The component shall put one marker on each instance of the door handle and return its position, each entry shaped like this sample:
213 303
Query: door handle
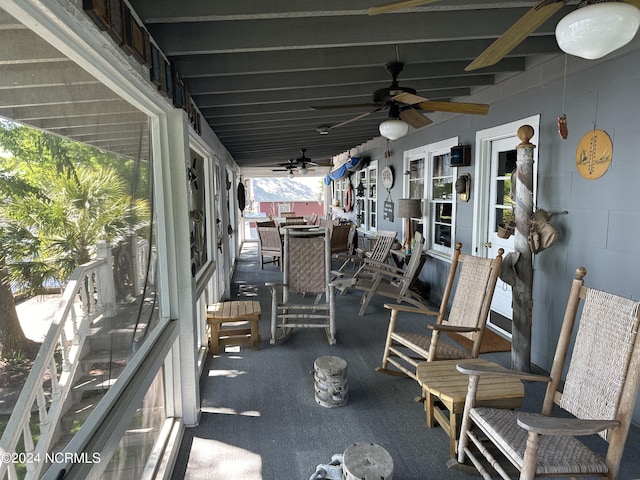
488 245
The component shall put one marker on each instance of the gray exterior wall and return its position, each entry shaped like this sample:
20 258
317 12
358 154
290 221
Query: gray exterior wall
602 227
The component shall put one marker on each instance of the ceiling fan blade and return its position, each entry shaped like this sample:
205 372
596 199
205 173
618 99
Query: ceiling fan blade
409 98
415 118
393 6
454 107
348 105
357 117
526 25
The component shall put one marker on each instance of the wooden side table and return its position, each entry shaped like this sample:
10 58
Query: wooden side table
441 381
234 323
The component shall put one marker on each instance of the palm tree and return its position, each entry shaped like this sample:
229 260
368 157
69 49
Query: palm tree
52 224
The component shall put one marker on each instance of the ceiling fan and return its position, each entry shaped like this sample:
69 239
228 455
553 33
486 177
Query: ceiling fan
542 11
402 102
298 165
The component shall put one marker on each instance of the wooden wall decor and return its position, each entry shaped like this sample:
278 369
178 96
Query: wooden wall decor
154 70
168 74
134 37
98 11
117 19
147 48
116 15
178 88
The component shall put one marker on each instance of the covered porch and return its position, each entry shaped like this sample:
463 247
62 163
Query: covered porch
260 420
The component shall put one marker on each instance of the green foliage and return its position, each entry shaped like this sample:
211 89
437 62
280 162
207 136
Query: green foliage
58 199
14 358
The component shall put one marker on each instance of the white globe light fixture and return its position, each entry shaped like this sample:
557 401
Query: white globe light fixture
303 170
291 173
597 29
393 128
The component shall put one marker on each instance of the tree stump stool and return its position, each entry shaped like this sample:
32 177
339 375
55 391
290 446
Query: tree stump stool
364 461
331 381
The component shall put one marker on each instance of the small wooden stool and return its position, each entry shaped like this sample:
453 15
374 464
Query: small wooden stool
441 381
225 321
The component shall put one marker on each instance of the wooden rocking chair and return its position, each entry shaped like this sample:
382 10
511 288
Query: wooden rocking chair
599 392
307 266
476 282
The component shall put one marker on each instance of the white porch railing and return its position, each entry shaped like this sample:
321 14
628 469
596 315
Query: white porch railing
88 295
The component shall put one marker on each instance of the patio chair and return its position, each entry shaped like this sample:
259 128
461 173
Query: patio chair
307 262
342 238
379 252
381 278
476 281
294 221
269 245
599 393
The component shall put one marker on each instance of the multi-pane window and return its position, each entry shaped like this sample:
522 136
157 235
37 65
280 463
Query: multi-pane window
360 202
431 177
441 202
340 187
371 196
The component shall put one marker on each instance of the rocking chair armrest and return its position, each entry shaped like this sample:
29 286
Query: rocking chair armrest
453 328
274 284
564 426
406 308
472 369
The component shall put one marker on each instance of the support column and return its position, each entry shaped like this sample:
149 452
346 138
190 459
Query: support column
107 294
178 292
523 288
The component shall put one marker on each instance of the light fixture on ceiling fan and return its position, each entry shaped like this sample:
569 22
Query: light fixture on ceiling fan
393 128
588 30
597 29
405 107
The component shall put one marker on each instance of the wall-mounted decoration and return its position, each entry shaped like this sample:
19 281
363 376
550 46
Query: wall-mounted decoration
178 89
134 35
98 11
117 19
594 154
542 233
461 156
463 187
116 15
169 79
197 214
387 177
126 30
155 70
388 211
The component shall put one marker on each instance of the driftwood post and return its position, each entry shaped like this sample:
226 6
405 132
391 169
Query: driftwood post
522 290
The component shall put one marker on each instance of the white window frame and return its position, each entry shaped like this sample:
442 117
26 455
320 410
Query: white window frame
371 197
428 153
360 204
340 187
